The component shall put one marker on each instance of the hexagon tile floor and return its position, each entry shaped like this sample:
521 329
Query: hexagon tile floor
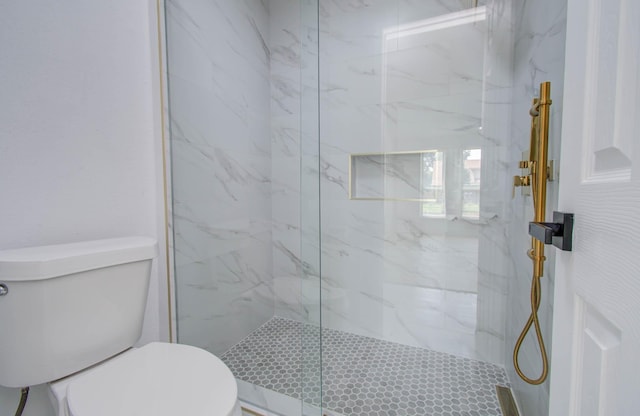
364 376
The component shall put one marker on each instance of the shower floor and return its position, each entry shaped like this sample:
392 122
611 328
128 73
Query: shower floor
362 375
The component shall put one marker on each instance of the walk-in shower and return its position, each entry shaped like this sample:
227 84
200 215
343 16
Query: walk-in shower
343 227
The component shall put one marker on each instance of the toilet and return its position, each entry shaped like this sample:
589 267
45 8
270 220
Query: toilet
71 314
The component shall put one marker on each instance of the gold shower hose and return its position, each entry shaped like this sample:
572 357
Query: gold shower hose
539 174
533 318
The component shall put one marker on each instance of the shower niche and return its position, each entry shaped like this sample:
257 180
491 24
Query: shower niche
431 177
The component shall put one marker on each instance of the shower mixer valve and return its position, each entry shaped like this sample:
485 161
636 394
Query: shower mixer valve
524 181
521 181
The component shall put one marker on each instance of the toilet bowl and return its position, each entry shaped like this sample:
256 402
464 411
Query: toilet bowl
158 379
74 313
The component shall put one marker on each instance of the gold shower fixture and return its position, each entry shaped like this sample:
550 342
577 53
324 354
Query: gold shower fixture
536 172
536 176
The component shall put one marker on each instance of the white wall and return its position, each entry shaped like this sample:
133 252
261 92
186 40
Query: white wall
80 150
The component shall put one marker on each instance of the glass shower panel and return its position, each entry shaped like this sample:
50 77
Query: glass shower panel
243 101
339 198
221 167
404 83
412 158
310 254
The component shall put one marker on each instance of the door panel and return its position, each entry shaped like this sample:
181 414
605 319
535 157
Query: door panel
597 299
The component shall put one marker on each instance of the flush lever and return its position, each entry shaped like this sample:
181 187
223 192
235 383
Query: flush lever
4 290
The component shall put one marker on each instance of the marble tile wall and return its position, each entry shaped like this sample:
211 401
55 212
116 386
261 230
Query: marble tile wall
539 30
220 94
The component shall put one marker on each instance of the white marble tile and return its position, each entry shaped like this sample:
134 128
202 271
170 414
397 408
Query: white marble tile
212 323
199 113
214 292
351 29
236 32
219 88
357 129
427 318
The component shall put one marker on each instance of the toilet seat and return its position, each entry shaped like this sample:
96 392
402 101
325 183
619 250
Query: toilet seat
158 379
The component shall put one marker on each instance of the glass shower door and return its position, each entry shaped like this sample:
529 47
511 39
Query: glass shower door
243 104
310 226
339 199
413 203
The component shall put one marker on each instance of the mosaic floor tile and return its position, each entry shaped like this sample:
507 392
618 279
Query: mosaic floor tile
364 376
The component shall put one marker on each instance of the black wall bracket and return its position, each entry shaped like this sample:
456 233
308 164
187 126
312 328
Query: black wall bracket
559 232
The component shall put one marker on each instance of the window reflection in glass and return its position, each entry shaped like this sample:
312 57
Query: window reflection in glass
433 184
472 162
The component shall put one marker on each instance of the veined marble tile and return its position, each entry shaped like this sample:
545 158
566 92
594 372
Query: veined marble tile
285 92
414 74
356 31
212 294
427 318
235 31
285 138
213 324
209 118
358 129
219 88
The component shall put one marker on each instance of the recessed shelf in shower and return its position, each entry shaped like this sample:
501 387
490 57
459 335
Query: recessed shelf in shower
399 176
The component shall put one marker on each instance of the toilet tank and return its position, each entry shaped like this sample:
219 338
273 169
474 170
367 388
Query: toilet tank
66 307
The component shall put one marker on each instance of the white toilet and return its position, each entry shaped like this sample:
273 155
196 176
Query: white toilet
70 316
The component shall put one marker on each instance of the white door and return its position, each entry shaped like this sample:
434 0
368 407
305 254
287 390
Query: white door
596 326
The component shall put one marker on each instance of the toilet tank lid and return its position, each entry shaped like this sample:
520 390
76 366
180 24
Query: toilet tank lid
45 262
